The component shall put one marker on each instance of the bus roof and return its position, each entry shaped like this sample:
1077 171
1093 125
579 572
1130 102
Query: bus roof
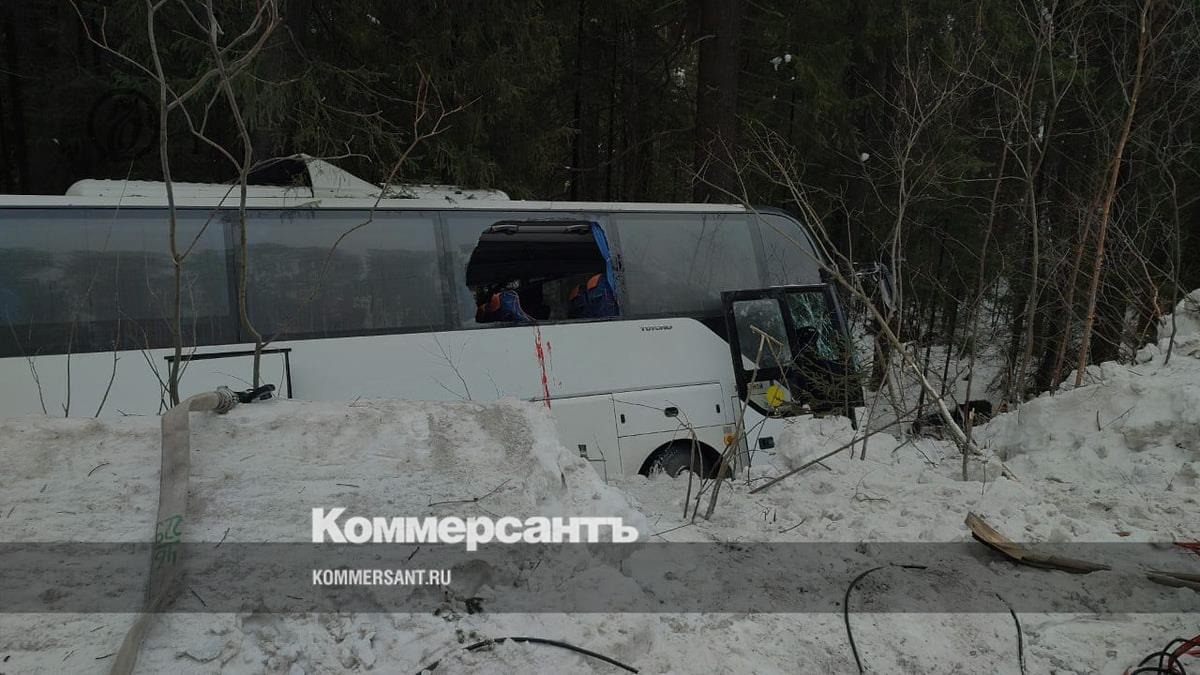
52 201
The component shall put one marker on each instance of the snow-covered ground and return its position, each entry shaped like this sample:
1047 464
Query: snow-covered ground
1117 460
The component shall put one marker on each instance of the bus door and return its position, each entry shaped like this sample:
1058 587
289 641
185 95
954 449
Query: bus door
791 351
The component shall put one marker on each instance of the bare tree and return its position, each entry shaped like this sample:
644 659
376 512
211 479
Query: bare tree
1144 42
230 60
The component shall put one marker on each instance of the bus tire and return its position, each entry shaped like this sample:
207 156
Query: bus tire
676 457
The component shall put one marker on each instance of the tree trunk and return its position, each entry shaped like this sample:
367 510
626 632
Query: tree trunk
610 131
1031 299
16 145
1109 326
716 99
1111 190
1069 304
951 316
585 143
980 286
1013 376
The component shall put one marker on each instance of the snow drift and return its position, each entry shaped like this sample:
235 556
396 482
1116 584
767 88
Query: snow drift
258 470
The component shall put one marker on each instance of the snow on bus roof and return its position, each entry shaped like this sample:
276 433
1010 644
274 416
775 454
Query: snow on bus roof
299 177
308 182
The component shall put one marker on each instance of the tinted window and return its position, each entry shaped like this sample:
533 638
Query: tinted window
382 277
790 258
680 263
84 280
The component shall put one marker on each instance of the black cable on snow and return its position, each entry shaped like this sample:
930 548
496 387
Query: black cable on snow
539 641
846 608
850 633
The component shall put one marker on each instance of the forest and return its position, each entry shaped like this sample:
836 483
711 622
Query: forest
1027 169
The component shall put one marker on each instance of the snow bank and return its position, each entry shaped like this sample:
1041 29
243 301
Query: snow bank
1184 321
1121 454
1136 424
256 474
259 470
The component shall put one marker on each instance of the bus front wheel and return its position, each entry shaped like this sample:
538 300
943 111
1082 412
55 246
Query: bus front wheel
679 456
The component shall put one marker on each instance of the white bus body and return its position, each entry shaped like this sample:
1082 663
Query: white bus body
85 286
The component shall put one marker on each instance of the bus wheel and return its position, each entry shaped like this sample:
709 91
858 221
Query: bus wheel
677 457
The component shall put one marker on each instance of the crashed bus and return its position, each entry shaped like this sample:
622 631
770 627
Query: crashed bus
646 329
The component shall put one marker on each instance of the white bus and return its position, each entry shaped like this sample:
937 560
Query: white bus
631 322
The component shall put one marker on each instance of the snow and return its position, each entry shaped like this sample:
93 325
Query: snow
1116 460
1186 316
267 463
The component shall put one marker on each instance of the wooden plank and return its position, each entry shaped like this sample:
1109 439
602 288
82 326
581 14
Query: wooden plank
988 535
1175 579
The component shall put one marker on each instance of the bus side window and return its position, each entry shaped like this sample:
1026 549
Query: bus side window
94 279
679 263
382 277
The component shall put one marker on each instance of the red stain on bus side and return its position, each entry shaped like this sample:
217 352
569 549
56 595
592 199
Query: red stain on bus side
541 357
